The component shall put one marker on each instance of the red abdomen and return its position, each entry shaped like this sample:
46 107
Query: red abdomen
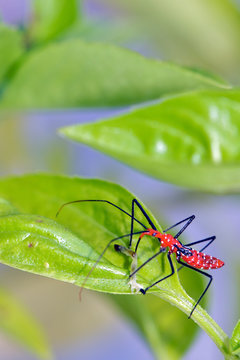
202 261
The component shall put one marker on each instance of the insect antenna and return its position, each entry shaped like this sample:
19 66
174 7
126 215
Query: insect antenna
97 200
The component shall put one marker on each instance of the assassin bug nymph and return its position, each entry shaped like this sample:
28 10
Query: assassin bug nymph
192 259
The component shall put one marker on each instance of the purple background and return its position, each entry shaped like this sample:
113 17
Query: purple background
217 215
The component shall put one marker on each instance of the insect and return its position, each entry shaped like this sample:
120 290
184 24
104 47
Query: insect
192 259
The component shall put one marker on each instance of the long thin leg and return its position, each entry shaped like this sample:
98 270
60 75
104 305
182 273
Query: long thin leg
205 290
138 242
147 261
210 239
191 218
143 291
136 202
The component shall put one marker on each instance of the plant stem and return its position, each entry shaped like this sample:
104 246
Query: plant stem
201 317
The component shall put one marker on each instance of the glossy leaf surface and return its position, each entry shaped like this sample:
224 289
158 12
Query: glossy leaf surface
46 247
190 140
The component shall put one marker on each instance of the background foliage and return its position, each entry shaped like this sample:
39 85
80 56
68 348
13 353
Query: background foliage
183 130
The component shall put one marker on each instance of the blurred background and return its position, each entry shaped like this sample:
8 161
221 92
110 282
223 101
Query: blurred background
194 33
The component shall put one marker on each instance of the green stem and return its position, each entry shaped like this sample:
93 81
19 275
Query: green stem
201 317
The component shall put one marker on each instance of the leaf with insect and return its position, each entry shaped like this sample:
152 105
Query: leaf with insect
41 231
66 249
19 324
190 140
42 246
96 74
84 238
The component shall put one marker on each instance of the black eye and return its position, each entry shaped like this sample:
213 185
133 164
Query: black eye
154 234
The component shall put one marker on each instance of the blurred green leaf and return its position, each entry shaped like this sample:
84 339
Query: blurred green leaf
73 73
11 47
235 340
190 140
16 322
32 241
159 323
52 17
98 30
201 32
6 208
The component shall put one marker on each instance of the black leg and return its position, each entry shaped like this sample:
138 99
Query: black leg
143 291
136 247
136 202
147 261
205 290
189 219
209 239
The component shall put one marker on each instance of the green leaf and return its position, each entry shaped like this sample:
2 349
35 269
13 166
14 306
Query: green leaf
73 73
16 322
179 31
11 47
21 234
41 245
52 17
148 313
32 241
191 140
235 340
